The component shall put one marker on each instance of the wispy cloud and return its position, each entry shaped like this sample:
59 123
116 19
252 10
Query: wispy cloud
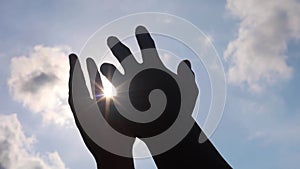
16 151
39 81
267 121
257 56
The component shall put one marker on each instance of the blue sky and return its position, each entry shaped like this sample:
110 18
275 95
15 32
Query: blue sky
258 43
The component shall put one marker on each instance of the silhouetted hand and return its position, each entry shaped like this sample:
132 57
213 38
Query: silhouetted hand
139 110
149 113
144 110
86 108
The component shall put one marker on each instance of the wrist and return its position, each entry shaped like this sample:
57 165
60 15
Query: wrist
112 161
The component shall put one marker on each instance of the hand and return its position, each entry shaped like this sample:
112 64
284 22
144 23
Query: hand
140 86
132 113
150 116
84 107
143 116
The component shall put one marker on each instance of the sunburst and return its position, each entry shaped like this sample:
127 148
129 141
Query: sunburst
109 90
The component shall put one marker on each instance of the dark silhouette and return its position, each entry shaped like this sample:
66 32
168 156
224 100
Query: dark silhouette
104 159
188 153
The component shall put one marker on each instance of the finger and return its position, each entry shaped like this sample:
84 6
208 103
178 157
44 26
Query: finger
72 62
185 67
188 63
146 44
143 37
77 87
118 48
109 70
95 79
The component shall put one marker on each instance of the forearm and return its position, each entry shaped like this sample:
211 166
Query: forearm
112 161
103 158
189 153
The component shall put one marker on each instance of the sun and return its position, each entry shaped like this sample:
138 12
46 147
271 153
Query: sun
108 89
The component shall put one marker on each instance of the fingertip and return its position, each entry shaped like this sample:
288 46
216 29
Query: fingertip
107 70
72 56
144 38
141 30
90 62
182 67
112 41
188 63
72 59
92 67
104 68
89 59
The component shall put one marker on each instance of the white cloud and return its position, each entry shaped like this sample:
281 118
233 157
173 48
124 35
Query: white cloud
40 82
16 148
257 56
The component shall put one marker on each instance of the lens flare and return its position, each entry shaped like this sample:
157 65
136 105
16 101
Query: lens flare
109 90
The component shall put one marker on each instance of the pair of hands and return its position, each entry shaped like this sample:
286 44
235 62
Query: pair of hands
133 89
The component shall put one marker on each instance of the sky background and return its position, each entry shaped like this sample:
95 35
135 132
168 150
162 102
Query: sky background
258 42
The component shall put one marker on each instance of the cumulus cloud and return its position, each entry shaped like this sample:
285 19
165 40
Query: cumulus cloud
40 82
16 148
257 56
